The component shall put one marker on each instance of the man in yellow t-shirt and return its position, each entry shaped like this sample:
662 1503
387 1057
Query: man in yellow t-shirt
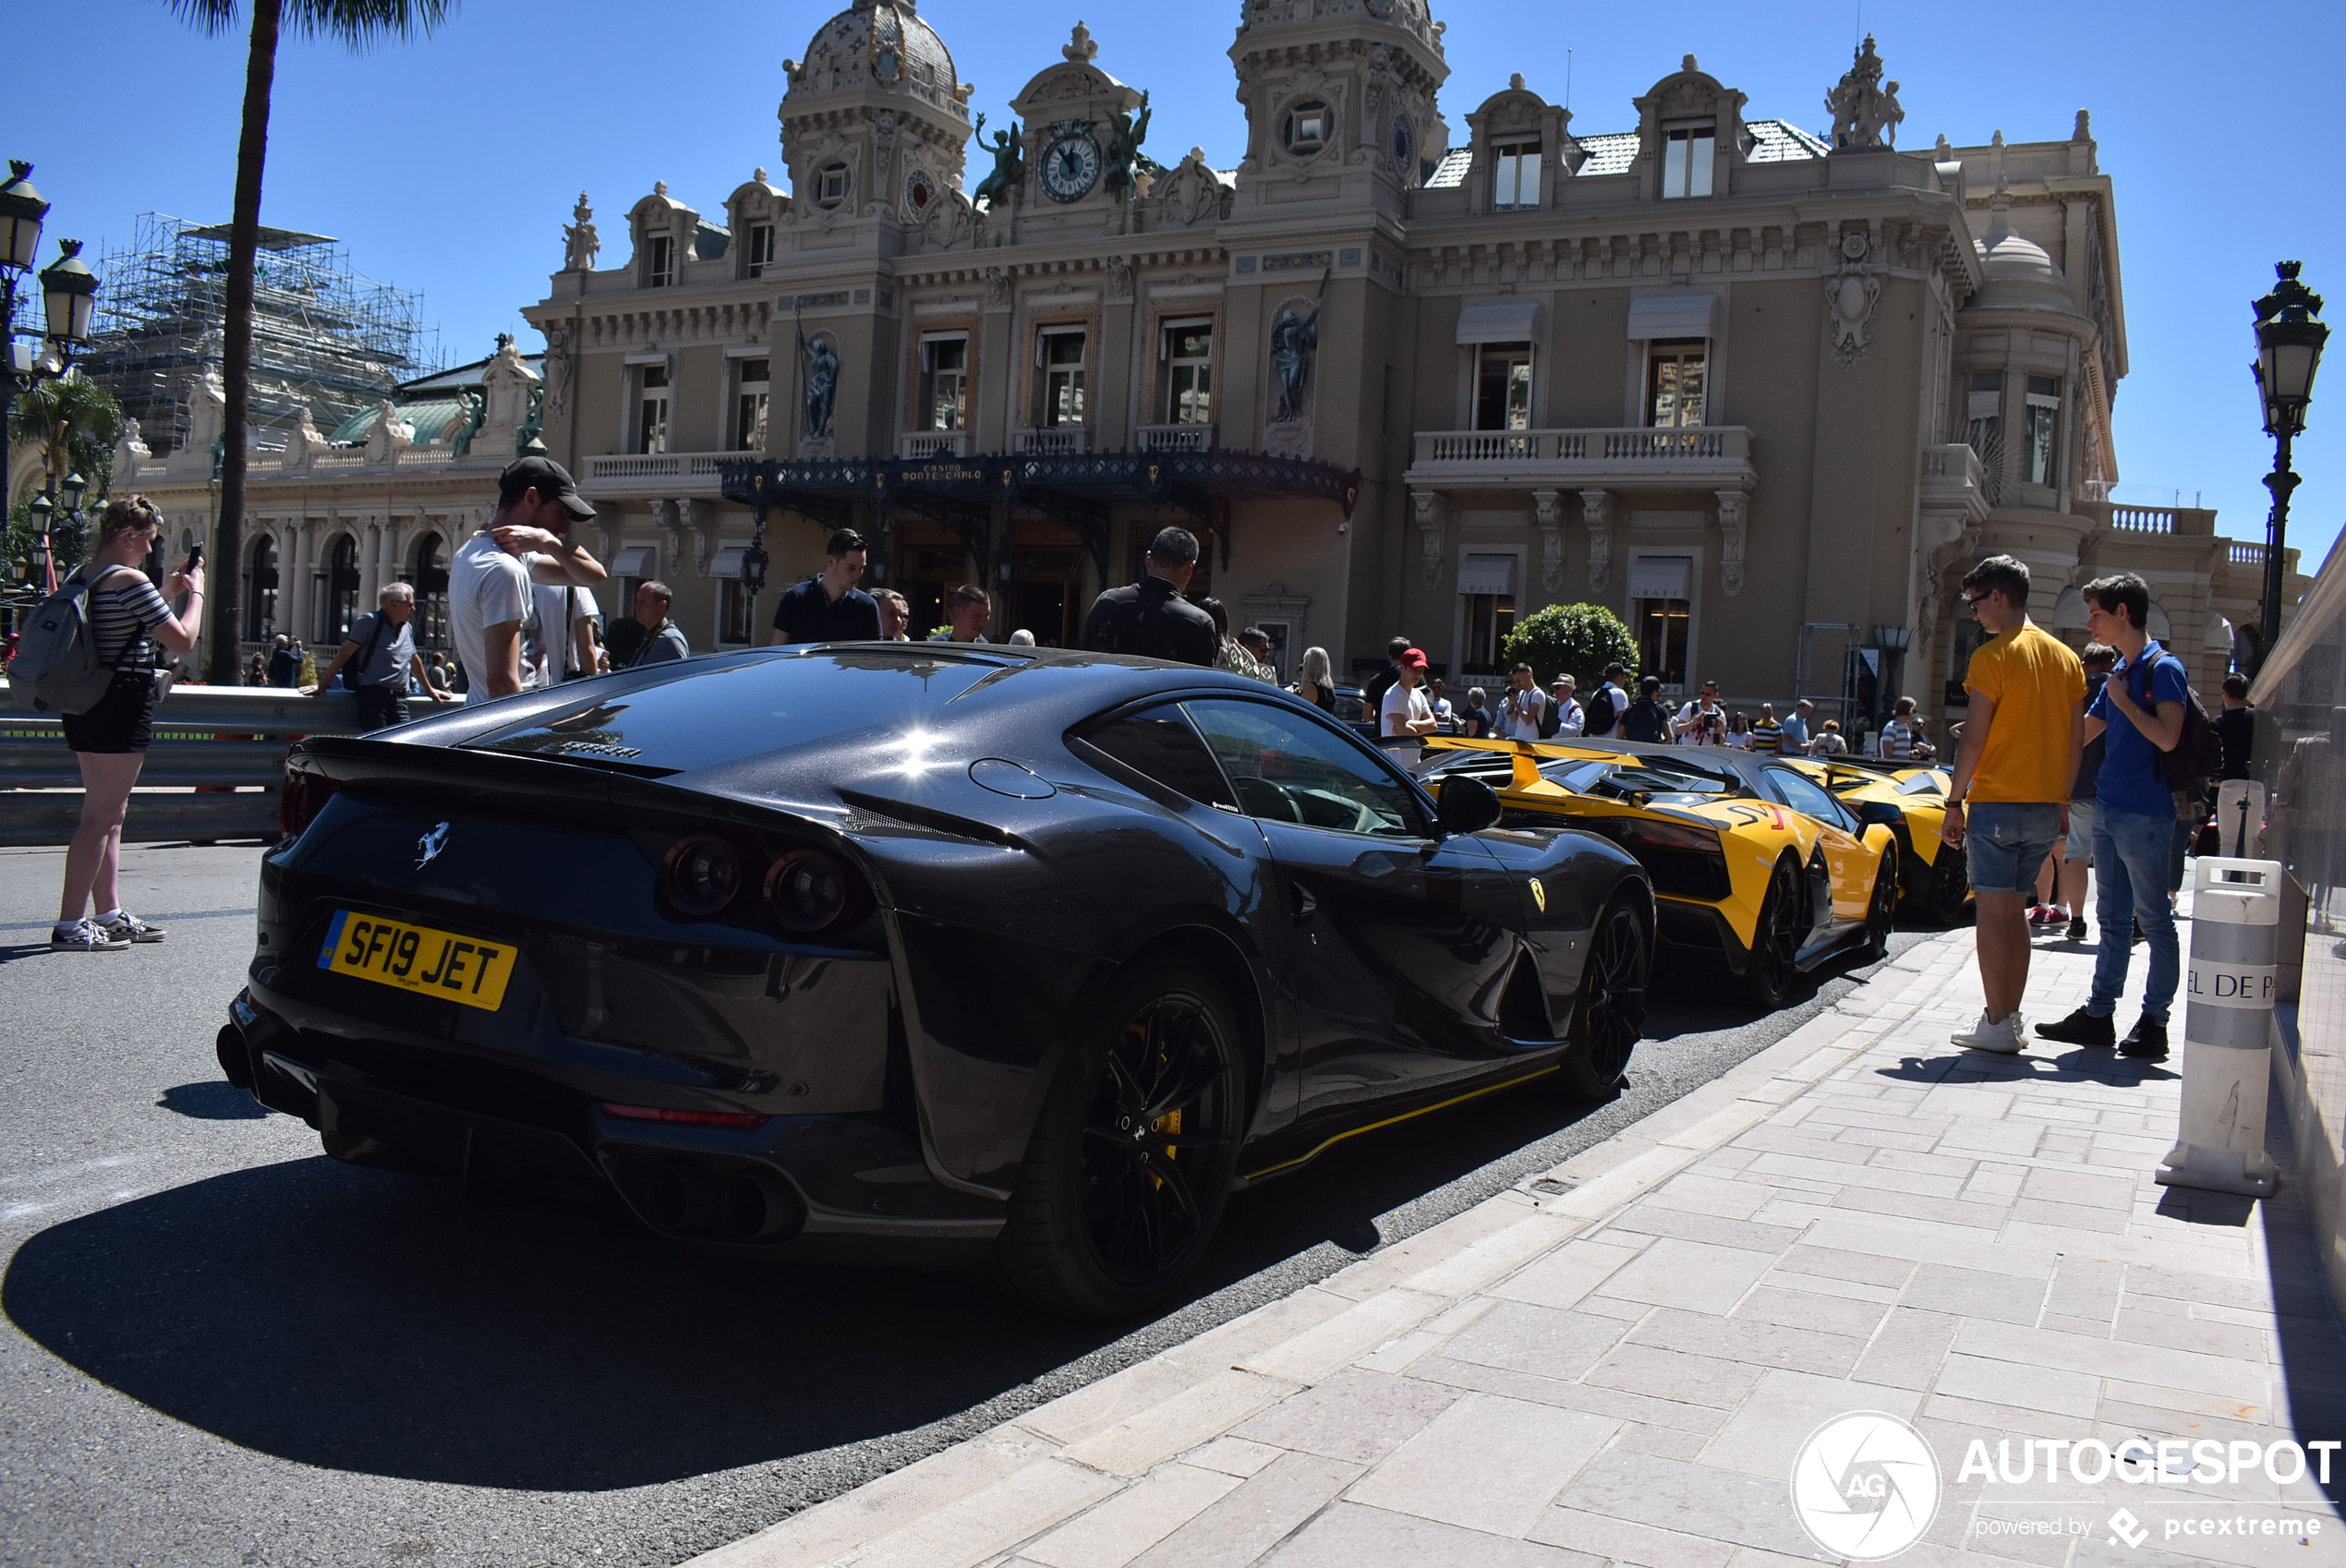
2008 801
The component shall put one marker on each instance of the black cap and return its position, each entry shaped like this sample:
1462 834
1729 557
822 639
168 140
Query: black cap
549 478
1613 669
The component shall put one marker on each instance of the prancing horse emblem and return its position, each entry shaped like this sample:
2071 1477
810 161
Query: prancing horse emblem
431 844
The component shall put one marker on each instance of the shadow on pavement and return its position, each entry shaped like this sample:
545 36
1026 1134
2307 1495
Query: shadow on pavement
215 1102
366 1321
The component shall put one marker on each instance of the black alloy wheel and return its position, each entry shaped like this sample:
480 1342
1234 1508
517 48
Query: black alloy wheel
1767 971
1130 1164
1881 911
1950 886
1609 1015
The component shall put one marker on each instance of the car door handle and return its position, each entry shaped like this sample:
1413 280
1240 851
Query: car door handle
1300 902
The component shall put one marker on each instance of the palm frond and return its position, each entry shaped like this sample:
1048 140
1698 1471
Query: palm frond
206 15
359 25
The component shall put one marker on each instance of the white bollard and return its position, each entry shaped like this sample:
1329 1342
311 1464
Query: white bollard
2240 818
2229 984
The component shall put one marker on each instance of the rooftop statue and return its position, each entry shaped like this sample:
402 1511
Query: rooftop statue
1010 165
1124 153
579 242
1864 112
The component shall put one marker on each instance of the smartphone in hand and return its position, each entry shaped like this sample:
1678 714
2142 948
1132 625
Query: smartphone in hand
194 557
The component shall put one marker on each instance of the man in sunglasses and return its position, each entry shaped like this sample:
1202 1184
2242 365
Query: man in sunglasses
2008 802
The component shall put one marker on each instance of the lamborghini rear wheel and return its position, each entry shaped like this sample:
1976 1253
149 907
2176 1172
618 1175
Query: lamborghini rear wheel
1769 972
1881 911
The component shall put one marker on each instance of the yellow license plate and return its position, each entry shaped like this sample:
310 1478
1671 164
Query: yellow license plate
418 958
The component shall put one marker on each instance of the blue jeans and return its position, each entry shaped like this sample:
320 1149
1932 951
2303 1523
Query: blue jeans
2131 851
2005 844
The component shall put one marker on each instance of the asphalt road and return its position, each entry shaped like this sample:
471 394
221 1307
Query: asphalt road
221 1346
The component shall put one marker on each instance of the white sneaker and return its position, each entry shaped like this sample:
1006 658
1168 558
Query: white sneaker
2005 1039
85 936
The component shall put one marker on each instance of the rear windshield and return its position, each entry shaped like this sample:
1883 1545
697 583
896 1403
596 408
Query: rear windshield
727 712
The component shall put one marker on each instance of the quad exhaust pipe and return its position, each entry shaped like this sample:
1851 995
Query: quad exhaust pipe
697 1200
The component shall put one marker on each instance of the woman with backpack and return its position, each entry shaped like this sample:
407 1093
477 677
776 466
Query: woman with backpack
126 618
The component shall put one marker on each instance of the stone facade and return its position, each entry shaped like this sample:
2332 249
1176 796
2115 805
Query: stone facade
1763 394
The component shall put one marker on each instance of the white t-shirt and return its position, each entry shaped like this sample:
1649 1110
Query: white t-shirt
1686 716
1513 724
1571 718
1401 704
486 587
561 608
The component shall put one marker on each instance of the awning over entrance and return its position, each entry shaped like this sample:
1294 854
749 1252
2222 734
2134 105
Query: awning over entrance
1075 488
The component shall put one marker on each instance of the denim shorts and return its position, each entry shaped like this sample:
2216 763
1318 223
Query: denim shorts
2007 842
2081 832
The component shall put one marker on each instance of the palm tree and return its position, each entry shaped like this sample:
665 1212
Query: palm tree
358 25
75 423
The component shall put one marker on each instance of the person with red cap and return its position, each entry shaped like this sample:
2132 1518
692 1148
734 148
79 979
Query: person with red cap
1405 714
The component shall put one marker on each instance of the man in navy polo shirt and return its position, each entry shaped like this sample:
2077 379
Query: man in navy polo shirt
2140 710
830 608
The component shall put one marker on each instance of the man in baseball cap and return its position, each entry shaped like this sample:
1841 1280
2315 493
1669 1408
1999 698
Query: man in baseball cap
549 478
1406 714
493 621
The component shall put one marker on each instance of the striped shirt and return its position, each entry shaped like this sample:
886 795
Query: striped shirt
123 609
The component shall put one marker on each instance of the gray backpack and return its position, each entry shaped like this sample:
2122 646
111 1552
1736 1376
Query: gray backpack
56 662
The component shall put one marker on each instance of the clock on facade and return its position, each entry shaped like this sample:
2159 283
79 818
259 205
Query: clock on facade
919 190
1071 161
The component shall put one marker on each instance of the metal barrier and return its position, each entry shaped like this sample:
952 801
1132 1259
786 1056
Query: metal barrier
213 771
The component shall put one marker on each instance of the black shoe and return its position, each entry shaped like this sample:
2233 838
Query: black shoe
2077 928
2082 1028
2147 1040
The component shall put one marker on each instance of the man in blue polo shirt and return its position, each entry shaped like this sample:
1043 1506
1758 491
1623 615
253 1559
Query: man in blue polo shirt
2140 710
830 608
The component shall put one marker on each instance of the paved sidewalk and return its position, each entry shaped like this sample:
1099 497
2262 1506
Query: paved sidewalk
1619 1360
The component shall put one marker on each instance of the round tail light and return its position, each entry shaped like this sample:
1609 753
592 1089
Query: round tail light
808 890
703 875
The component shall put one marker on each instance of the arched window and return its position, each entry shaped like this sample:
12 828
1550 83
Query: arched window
342 590
261 591
430 576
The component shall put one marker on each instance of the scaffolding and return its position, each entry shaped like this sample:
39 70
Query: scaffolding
324 337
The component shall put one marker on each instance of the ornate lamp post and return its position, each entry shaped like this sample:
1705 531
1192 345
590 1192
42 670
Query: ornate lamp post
2288 350
69 297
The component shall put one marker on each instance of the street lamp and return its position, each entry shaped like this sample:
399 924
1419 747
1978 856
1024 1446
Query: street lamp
1893 642
2288 350
70 299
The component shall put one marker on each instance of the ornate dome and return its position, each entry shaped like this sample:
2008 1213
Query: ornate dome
2017 271
1413 17
879 44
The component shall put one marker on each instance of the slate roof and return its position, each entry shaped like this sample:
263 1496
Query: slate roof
1612 152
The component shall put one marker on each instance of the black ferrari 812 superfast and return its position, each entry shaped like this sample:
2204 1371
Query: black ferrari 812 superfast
913 952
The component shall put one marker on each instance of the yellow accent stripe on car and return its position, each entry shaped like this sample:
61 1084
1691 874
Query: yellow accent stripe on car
1324 1145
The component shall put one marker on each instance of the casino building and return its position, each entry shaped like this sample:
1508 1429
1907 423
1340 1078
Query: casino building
1762 390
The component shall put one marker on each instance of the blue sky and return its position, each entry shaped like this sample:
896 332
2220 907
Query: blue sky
450 166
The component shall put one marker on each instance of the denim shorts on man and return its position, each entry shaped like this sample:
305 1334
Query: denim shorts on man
2006 842
2081 832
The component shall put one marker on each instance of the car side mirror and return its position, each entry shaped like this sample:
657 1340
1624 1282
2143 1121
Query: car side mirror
1467 805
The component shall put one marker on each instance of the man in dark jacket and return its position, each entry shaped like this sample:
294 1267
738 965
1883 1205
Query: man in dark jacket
1149 617
830 608
1647 719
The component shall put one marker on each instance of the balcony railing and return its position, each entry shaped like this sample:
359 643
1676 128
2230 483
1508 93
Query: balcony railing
1702 454
2246 554
1177 437
916 445
2143 519
1057 442
658 470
